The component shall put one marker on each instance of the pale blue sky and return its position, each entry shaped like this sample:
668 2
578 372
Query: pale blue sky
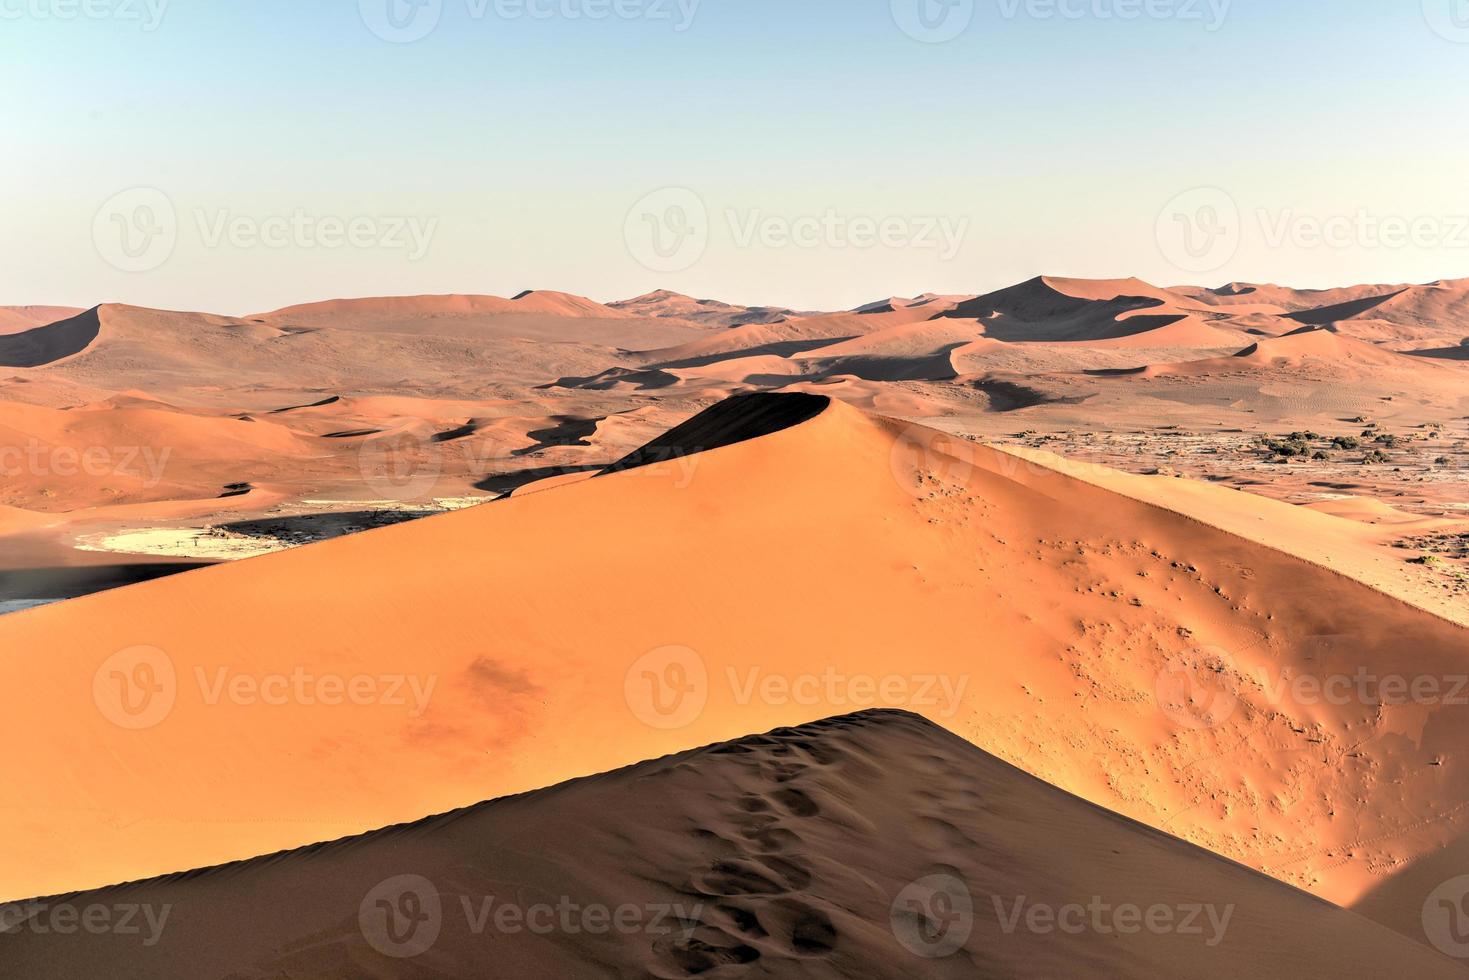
503 151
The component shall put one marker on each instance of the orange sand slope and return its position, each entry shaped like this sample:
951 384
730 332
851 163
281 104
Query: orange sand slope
873 845
1123 652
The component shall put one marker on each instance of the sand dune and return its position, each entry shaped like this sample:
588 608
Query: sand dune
765 856
1034 614
540 315
1054 310
346 311
1311 342
1402 315
183 356
70 460
663 303
1458 353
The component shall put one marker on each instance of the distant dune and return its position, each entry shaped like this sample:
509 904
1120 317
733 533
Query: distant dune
14 319
875 844
663 303
530 301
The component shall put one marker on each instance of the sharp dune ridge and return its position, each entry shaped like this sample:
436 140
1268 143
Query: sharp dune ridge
765 855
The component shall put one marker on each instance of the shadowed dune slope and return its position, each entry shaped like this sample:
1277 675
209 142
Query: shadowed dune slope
1122 652
870 845
736 419
52 342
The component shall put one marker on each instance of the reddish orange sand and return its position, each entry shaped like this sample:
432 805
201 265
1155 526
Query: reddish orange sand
839 563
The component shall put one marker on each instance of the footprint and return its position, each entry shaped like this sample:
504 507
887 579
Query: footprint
796 802
751 803
773 876
693 957
737 877
747 922
806 929
769 839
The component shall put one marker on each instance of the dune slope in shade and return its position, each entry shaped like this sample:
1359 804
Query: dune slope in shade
736 419
871 845
844 562
47 344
